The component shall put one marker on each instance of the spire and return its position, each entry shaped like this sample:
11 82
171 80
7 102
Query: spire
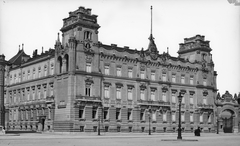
152 46
151 20
22 46
167 51
42 49
19 48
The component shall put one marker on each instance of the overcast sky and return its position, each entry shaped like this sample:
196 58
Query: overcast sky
127 23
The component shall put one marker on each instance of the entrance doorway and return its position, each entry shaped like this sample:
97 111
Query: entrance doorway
227 121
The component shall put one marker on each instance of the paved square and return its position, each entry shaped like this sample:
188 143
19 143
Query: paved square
118 139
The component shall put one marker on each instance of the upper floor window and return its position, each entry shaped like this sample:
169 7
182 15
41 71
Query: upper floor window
165 116
88 67
183 117
191 80
39 72
106 69
201 118
106 92
19 77
204 83
118 114
164 77
174 78
129 93
45 70
191 117
88 89
87 35
164 97
153 75
118 92
191 99
34 74
130 72
142 94
142 74
204 100
173 98
183 79
154 115
119 71
28 75
173 116
52 69
130 114
153 95
23 76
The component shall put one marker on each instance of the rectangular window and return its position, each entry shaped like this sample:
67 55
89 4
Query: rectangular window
28 76
142 94
94 113
173 116
118 93
183 117
204 83
39 94
153 95
119 71
183 100
51 91
39 72
164 77
142 115
45 71
165 116
28 96
153 76
142 74
209 118
191 99
205 100
154 116
19 78
45 93
129 94
164 98
183 79
201 118
105 114
129 114
191 80
81 112
130 73
174 78
26 111
33 95
52 69
173 98
106 92
106 69
34 75
88 90
191 117
31 113
118 114
49 113
88 67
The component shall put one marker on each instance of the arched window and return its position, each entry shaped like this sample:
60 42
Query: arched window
67 61
87 35
60 64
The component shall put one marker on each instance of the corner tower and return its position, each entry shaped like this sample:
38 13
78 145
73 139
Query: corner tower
3 63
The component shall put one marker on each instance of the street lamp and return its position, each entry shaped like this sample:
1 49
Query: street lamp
149 116
179 123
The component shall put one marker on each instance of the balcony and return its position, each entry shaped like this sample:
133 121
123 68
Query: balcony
153 103
50 99
88 98
205 106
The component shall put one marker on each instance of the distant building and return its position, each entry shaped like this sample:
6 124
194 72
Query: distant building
69 88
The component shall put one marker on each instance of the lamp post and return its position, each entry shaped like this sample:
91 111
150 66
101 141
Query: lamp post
179 123
149 116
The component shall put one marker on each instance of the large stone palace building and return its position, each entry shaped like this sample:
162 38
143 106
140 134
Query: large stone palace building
82 84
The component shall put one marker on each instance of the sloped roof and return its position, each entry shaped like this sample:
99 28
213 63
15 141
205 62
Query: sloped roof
17 59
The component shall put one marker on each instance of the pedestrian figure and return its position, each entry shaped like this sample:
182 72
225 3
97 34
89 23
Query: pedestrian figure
197 132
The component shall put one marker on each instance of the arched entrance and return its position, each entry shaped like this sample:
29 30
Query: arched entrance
227 120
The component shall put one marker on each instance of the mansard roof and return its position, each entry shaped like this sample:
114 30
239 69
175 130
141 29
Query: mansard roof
17 59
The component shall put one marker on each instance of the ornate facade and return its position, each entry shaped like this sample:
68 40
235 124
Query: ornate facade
81 81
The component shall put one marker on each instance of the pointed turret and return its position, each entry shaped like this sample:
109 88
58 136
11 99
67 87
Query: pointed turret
152 48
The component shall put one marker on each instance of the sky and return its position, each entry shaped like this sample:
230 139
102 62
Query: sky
35 23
